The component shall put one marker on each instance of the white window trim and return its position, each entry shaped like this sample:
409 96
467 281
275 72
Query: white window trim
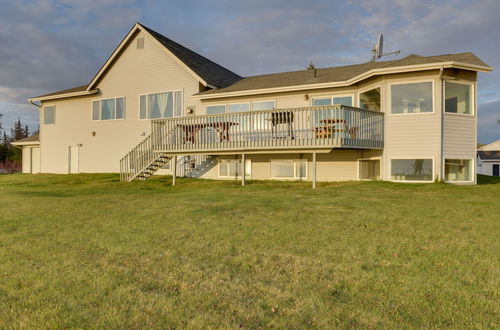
147 104
295 178
472 102
248 165
263 101
473 166
331 97
408 82
369 88
215 105
237 103
412 181
379 158
100 114
43 114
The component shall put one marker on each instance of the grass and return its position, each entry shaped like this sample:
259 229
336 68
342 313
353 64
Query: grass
86 251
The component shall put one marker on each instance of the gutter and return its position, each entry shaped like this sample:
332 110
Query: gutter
61 96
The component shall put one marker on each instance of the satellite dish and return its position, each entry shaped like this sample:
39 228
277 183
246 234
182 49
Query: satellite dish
379 47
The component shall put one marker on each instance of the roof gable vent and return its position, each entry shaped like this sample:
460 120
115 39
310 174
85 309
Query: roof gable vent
140 43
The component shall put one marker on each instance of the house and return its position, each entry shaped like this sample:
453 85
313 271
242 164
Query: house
488 159
157 107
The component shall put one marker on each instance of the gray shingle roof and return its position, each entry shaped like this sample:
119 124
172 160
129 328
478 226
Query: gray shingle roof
213 73
32 138
489 155
337 74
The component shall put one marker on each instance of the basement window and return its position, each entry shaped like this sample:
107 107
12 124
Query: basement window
293 169
412 170
369 169
458 170
231 168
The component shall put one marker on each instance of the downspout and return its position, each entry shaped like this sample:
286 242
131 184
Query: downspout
441 144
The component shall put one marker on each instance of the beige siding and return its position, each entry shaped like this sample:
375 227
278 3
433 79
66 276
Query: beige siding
135 72
459 136
338 165
412 135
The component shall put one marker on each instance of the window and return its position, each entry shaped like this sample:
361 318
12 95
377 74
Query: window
108 109
411 170
231 168
458 98
49 115
369 169
161 105
458 170
289 168
241 107
215 109
140 43
263 105
411 98
370 99
343 100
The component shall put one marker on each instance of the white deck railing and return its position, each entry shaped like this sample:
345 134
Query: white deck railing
336 126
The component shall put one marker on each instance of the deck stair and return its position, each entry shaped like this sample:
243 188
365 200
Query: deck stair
142 162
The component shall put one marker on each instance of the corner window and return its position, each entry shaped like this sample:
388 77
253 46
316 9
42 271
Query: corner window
370 99
458 98
458 170
108 109
369 169
411 170
343 100
161 105
215 109
289 169
411 98
49 115
231 168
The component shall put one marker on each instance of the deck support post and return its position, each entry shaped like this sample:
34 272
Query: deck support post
243 169
174 169
314 171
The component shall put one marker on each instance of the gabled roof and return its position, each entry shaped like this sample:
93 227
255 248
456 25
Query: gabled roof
489 155
206 71
495 145
33 139
347 75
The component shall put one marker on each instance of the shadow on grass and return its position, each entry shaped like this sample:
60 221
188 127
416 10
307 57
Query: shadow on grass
486 179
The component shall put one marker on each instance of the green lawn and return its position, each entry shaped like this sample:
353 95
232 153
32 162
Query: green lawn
88 251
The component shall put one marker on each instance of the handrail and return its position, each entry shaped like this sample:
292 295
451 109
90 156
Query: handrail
306 127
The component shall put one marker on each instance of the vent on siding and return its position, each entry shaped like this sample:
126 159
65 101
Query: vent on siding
140 43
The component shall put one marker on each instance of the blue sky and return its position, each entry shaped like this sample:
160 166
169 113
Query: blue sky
48 45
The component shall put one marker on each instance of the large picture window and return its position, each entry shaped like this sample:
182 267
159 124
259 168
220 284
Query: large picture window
411 170
49 115
458 98
161 105
411 98
458 170
369 169
108 109
370 99
231 168
289 169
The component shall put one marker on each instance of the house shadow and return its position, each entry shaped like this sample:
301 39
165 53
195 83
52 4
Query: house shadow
486 179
